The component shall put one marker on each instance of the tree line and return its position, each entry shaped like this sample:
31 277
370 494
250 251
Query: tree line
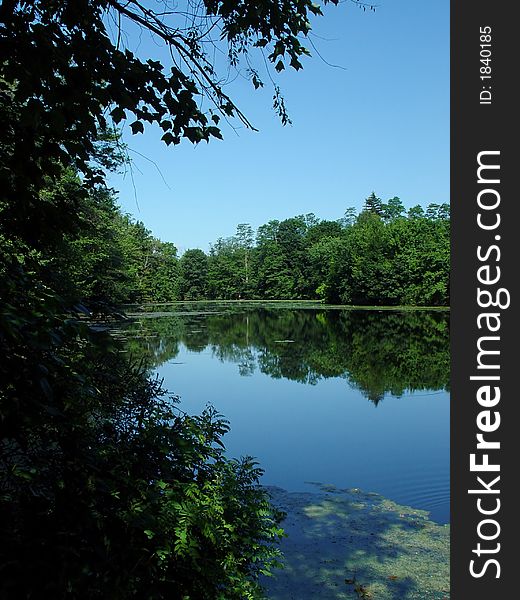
383 255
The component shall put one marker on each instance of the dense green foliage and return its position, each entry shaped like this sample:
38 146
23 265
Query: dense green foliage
116 494
378 352
108 490
115 259
382 256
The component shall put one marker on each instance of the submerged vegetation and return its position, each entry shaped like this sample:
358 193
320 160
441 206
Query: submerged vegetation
345 544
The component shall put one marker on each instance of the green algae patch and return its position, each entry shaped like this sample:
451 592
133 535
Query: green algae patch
348 544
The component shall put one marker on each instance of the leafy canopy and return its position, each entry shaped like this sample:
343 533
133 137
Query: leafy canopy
68 70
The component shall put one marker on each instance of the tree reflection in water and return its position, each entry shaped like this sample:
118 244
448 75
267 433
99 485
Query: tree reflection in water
377 351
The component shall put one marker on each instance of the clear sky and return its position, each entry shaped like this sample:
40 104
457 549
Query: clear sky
380 123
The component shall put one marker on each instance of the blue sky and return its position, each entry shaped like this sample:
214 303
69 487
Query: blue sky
379 123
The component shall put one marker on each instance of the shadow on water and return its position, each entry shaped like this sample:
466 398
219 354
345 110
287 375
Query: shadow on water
377 352
346 544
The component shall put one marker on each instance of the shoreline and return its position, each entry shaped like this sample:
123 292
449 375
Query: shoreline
314 303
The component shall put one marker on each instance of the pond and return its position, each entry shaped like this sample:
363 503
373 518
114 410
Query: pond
352 398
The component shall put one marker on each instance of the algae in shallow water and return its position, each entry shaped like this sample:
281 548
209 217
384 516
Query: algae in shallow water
347 544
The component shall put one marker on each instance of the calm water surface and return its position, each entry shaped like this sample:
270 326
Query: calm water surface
343 397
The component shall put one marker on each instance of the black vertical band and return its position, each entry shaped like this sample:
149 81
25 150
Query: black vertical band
485 324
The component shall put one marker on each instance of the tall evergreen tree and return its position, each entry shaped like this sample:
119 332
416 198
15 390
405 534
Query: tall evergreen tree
374 205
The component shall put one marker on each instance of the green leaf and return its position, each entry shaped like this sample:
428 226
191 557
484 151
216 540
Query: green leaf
118 114
168 138
137 127
215 132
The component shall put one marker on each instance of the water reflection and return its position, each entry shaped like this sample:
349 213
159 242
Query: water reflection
294 384
377 352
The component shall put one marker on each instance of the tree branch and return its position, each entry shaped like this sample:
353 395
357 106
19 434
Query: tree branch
168 34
